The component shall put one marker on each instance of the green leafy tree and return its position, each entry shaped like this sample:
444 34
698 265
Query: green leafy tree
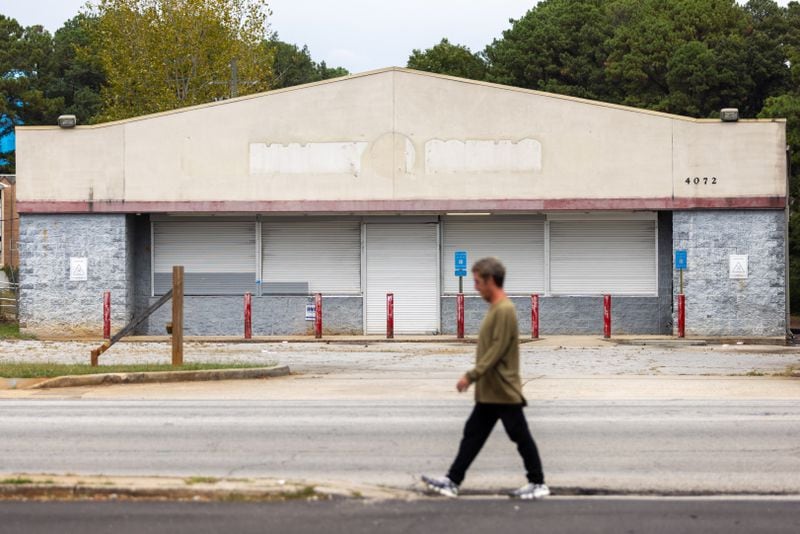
558 46
326 73
164 54
448 58
294 65
688 57
767 52
24 72
77 76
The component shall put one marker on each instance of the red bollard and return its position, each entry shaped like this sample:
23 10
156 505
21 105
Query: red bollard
535 316
318 316
248 316
681 315
107 315
389 315
460 315
606 316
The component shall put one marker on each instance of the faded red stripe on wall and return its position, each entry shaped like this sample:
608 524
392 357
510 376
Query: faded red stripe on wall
402 206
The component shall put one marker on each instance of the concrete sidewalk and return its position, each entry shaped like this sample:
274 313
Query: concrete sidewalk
360 388
561 368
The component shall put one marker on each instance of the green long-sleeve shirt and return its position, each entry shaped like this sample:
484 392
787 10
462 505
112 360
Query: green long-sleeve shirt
496 372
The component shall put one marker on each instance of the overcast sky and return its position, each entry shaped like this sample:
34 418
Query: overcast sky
357 34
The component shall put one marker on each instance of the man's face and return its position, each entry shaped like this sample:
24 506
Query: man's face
485 287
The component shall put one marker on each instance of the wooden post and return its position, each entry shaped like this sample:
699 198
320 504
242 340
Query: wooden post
177 315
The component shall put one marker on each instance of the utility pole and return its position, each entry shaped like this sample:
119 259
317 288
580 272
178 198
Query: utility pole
234 78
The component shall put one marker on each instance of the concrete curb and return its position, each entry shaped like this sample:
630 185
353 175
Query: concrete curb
161 377
74 487
99 488
675 342
665 343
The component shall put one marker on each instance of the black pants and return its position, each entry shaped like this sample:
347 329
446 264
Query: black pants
477 430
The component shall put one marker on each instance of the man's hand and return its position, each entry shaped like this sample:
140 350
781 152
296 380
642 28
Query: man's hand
463 384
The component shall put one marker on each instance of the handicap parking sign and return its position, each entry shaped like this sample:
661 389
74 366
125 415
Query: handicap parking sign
680 259
461 263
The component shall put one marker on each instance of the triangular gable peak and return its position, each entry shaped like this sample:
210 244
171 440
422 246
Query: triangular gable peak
401 140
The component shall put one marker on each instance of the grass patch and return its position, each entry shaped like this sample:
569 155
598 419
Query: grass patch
754 373
50 370
201 480
17 480
10 330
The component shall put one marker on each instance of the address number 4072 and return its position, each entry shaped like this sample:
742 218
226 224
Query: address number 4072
705 180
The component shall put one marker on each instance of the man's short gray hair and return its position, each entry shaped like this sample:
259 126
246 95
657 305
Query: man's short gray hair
490 268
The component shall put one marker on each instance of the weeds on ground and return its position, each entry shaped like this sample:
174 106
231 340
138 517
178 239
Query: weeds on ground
16 480
10 330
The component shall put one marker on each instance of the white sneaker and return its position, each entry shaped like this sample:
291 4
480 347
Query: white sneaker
442 486
531 491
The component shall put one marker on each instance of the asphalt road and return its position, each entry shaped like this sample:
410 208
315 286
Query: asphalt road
662 446
463 516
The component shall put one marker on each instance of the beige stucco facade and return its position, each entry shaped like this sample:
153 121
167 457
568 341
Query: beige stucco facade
402 140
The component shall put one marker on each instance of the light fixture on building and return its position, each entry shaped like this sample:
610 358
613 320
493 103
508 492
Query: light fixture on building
67 121
729 115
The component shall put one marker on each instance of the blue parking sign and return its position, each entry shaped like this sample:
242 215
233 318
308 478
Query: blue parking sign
680 259
461 262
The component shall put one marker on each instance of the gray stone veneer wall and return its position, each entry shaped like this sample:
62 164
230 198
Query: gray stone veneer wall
118 249
717 305
51 304
584 315
272 316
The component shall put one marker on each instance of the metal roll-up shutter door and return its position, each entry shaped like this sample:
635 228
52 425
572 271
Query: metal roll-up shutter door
402 259
592 257
518 242
219 257
321 256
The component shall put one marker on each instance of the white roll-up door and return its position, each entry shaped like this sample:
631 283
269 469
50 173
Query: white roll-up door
403 259
316 256
518 242
591 257
218 256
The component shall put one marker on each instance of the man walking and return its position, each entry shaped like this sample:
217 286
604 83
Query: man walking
498 390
